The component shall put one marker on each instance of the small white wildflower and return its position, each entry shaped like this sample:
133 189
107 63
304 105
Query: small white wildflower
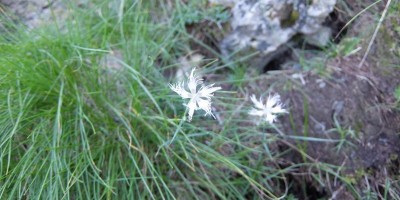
199 99
269 111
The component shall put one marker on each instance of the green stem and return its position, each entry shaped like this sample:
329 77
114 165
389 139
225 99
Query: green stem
169 142
179 126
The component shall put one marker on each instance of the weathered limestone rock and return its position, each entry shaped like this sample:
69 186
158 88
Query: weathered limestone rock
265 25
36 13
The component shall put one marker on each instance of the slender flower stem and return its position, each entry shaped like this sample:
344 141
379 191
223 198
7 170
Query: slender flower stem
179 126
169 142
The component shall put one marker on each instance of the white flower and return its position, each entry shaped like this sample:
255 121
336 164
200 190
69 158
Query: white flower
199 99
269 111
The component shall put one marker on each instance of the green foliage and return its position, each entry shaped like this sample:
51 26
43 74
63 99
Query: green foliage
346 47
196 12
291 197
238 76
75 126
397 95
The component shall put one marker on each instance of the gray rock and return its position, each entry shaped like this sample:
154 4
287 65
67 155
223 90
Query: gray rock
265 25
320 38
36 13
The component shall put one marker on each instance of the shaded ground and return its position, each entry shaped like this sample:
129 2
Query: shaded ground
351 112
345 115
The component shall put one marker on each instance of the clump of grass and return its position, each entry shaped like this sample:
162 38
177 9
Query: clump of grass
73 128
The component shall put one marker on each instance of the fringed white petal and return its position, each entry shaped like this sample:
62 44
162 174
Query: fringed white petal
207 91
192 107
204 105
256 112
257 104
270 118
194 81
272 101
278 109
179 89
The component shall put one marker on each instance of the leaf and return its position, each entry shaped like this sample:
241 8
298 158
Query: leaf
397 93
348 46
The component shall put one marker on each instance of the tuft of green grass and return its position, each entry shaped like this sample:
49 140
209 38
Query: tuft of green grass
76 127
397 93
397 96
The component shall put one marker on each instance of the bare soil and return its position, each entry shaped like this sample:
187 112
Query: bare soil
352 109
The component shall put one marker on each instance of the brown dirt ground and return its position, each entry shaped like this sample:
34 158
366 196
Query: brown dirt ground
358 101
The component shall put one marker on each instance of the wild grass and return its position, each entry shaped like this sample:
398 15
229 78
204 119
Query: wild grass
74 127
